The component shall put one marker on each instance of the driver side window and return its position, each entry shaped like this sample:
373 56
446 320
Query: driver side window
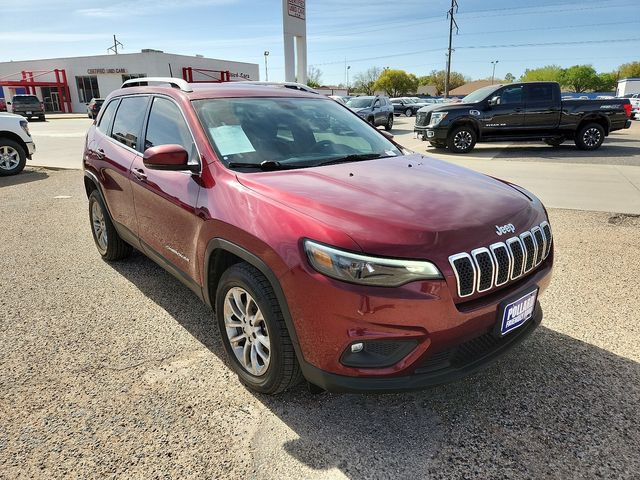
376 104
511 95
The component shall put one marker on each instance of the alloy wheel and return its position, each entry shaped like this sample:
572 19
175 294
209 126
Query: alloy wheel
9 157
462 140
247 331
591 137
99 226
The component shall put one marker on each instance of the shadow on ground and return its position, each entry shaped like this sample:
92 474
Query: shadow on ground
555 407
26 176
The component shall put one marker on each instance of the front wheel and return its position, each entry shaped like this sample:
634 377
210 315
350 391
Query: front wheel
590 137
389 125
108 242
408 112
462 139
254 332
12 157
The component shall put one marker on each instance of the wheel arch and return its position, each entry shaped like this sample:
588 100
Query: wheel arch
220 255
16 138
458 122
602 120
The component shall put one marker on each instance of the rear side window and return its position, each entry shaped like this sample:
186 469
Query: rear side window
128 122
539 93
107 116
167 126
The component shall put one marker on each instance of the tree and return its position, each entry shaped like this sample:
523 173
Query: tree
629 70
580 78
607 82
396 82
509 78
548 73
364 82
437 78
314 76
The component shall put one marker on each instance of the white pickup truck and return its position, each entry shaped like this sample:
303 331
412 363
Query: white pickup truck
16 144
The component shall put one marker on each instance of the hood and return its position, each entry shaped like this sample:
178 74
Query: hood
11 115
359 109
409 206
437 107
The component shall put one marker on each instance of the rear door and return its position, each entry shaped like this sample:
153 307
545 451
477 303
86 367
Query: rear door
506 117
115 150
165 201
542 107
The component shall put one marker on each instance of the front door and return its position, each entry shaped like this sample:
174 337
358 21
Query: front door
165 201
506 115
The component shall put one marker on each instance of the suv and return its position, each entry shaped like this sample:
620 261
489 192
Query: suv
16 144
325 249
406 106
28 106
376 110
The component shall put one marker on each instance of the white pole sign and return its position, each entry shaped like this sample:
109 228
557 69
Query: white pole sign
294 14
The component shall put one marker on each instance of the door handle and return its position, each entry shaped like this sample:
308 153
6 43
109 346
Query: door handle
139 174
100 154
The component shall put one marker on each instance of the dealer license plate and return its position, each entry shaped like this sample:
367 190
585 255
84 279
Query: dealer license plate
516 313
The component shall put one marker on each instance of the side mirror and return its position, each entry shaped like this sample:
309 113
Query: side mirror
168 157
494 101
8 103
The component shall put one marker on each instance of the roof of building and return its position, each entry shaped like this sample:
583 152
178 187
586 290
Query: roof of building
470 87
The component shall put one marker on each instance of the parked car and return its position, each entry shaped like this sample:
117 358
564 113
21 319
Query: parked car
93 107
29 106
521 112
377 110
634 99
16 144
405 106
326 250
338 99
3 105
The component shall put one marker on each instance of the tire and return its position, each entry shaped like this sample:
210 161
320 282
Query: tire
243 288
555 142
438 145
372 121
389 125
462 139
408 112
12 157
590 137
110 245
41 117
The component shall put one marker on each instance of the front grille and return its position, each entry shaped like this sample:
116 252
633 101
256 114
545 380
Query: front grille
422 119
491 267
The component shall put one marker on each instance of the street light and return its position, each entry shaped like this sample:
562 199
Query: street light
266 67
493 74
348 68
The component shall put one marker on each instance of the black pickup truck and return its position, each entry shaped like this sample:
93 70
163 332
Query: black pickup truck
521 112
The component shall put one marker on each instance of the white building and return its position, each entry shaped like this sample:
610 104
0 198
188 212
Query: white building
628 86
84 78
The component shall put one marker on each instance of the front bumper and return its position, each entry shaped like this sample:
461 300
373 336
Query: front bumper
31 148
431 133
330 316
627 124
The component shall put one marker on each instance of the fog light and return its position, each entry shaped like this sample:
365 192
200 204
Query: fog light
431 133
357 347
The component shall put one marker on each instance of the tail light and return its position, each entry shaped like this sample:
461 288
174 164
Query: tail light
627 109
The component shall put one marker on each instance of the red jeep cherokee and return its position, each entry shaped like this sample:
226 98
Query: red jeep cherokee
326 250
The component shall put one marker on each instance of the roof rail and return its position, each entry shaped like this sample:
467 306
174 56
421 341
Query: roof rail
291 85
173 82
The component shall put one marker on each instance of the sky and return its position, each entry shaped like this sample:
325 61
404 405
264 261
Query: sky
407 34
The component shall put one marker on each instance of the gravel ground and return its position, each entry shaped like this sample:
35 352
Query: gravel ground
116 371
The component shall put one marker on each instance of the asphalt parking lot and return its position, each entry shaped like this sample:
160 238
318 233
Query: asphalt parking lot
117 370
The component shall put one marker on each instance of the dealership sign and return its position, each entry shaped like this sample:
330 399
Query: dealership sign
95 71
296 8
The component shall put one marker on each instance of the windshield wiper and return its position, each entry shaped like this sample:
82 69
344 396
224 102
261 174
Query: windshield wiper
267 165
356 157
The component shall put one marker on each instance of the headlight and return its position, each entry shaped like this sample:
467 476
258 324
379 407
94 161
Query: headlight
25 127
436 118
367 270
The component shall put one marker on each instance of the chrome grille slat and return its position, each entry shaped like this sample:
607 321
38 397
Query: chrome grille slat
486 268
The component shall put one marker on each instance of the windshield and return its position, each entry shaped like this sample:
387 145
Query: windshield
480 94
360 102
288 132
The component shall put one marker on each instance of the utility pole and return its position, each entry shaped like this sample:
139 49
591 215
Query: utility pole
493 74
348 68
452 22
115 46
266 67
